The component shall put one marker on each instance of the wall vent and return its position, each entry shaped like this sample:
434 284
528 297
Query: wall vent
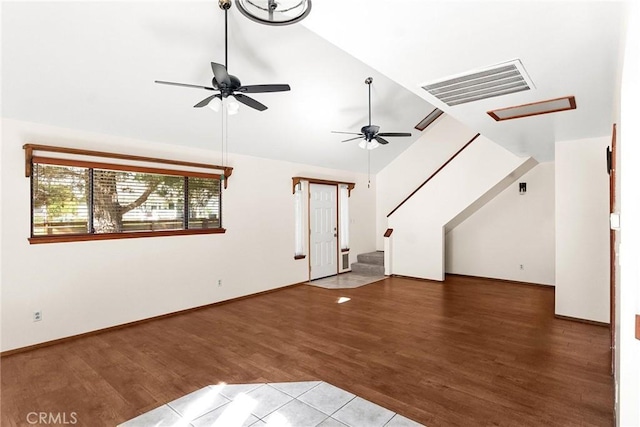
497 80
345 261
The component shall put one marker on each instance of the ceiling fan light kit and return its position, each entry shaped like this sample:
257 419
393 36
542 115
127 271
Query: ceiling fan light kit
232 108
215 104
368 145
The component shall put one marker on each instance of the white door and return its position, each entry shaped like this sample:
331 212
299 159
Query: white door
323 229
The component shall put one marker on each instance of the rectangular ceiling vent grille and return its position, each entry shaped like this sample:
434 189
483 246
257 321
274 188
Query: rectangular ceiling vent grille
501 79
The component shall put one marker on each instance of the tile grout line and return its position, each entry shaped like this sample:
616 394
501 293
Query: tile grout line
327 415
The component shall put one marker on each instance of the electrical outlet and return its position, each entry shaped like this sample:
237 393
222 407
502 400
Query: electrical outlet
219 282
521 266
37 316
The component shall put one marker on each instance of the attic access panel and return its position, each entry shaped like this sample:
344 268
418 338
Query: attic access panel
501 79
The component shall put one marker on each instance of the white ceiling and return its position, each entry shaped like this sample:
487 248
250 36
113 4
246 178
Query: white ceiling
92 65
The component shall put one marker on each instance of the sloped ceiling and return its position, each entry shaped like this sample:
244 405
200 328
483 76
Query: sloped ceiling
567 48
92 65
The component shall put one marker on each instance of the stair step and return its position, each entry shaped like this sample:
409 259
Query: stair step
367 269
375 258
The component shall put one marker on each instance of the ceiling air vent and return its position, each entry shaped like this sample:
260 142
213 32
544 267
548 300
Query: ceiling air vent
501 79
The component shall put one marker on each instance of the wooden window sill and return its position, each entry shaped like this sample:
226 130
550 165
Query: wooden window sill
127 235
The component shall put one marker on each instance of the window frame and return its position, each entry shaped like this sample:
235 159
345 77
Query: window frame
86 159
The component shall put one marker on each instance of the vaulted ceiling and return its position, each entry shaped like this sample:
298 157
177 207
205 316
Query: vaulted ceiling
92 65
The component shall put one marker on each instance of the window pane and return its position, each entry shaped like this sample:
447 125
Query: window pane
344 217
59 200
299 221
134 201
204 202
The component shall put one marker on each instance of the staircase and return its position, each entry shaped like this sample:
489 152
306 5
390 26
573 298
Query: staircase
369 264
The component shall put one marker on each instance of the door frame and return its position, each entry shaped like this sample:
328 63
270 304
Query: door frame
337 219
612 245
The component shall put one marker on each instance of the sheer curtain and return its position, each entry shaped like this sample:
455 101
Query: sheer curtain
299 221
344 217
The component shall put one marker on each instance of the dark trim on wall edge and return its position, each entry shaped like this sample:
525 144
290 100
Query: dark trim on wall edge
490 279
576 319
507 281
61 238
138 322
419 279
434 174
513 282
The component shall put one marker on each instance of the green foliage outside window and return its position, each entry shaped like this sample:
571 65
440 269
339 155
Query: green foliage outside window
78 200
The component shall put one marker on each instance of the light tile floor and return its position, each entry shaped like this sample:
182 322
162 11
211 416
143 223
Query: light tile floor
295 404
345 281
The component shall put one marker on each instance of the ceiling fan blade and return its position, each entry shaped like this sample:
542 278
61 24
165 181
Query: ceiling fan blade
352 139
206 101
348 133
184 84
264 88
394 134
381 140
220 73
250 102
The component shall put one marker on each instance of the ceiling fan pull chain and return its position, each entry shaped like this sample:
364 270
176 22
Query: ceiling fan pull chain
368 168
222 127
226 140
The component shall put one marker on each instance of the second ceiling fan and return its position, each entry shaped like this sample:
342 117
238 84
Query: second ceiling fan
227 85
370 134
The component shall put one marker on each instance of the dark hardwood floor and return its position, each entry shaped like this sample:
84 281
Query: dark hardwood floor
468 352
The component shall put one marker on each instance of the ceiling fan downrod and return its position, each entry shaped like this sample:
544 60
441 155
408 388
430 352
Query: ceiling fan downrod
225 5
368 81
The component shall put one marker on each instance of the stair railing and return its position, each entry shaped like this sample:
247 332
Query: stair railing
434 174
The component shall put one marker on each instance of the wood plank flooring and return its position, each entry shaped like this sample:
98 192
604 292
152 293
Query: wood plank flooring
467 352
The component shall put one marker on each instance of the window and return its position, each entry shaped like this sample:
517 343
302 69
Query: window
83 200
343 219
299 222
59 200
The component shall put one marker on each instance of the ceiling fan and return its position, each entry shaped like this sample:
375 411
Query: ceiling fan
228 85
370 134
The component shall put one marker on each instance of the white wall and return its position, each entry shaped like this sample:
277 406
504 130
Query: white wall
411 168
628 291
85 286
582 229
510 230
417 242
